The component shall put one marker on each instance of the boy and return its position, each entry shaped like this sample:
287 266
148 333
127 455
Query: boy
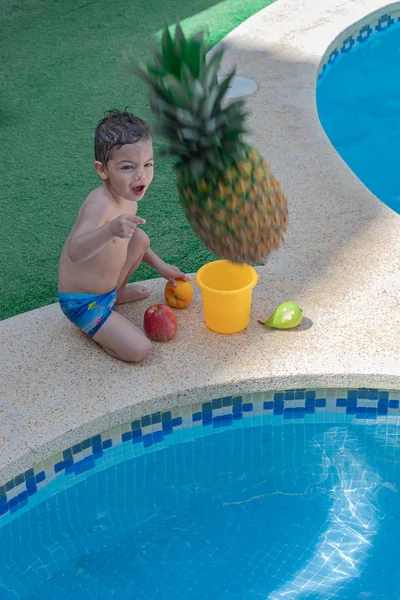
106 246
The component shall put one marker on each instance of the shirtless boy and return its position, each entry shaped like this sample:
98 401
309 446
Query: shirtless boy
106 245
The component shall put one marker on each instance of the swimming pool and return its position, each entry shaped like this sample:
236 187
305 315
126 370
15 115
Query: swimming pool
358 100
290 494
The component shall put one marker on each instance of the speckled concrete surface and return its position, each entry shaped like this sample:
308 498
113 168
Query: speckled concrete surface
340 262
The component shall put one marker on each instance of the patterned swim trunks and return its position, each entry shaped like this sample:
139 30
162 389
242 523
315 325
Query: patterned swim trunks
87 311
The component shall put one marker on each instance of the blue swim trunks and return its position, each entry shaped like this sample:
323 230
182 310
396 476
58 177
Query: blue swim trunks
87 311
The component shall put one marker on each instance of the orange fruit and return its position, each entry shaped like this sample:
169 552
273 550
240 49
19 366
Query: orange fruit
179 295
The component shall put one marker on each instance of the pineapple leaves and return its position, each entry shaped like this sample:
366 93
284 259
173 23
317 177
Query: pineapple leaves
187 98
171 61
180 41
224 86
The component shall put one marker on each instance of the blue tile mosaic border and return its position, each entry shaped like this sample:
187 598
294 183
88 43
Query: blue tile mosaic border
357 37
359 405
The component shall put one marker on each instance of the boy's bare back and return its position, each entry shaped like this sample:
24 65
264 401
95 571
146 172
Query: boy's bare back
99 273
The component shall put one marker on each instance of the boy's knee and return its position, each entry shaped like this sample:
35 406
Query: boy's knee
139 352
143 239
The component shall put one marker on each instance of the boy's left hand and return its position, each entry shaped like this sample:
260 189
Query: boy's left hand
172 273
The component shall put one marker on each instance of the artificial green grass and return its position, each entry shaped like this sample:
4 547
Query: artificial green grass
61 68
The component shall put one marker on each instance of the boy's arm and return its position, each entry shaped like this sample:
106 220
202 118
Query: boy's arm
92 234
169 272
151 259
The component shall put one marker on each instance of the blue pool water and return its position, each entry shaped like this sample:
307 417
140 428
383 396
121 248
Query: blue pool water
267 511
358 101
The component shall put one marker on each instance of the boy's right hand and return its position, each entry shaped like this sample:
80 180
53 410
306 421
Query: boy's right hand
124 225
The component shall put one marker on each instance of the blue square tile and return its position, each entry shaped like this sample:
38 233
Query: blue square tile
238 401
59 467
19 479
382 409
98 451
217 403
383 395
127 436
237 416
248 407
300 395
206 406
340 402
289 395
147 440
10 485
4 508
77 448
363 393
135 424
145 421
197 417
311 395
22 496
67 453
13 502
68 462
167 427
351 410
373 395
86 444
309 409
107 444
279 397
237 409
31 489
352 394
393 404
84 465
288 413
177 421
156 418
40 477
268 405
227 401
320 402
137 433
30 474
158 437
166 416
96 440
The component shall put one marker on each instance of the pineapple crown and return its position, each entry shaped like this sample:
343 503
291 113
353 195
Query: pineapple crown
187 98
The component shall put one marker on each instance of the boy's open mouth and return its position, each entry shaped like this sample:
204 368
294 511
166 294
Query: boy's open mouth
138 190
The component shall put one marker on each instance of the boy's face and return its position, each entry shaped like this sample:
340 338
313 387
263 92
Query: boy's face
129 171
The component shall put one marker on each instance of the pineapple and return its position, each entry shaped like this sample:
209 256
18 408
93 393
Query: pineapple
229 195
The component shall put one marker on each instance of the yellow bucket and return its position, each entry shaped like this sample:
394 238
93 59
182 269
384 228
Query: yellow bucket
227 290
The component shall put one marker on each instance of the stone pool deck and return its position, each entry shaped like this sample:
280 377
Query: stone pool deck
340 262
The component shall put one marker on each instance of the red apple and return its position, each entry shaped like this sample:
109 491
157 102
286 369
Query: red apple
160 322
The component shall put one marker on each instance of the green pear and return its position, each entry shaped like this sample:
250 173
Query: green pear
286 316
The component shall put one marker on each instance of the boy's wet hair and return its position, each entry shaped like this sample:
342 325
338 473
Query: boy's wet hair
115 130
